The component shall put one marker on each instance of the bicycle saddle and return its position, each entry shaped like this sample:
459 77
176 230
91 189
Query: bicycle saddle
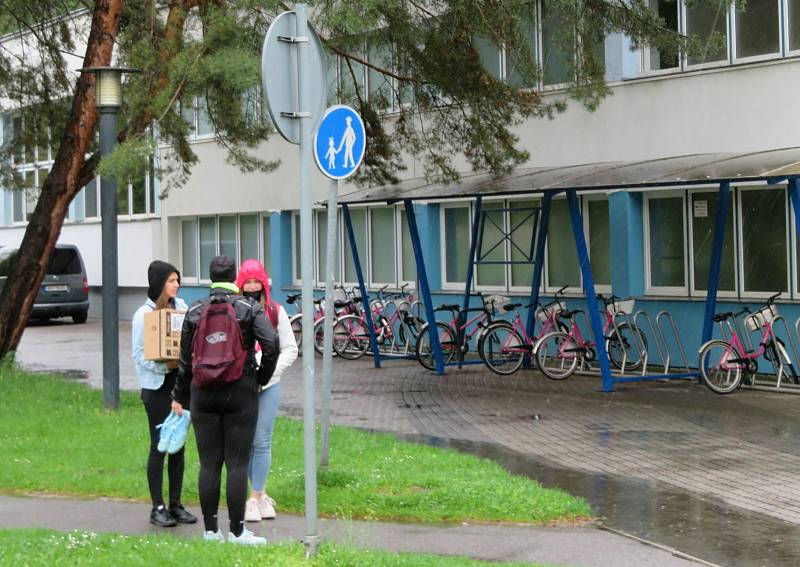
449 307
719 317
341 304
568 314
511 306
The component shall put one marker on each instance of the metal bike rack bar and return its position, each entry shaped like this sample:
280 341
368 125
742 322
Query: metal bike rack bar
640 346
657 334
668 316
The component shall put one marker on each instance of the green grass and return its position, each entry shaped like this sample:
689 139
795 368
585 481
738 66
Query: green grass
42 547
56 438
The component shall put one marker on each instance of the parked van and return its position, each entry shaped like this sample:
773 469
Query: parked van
65 289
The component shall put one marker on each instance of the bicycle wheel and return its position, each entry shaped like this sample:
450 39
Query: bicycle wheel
633 340
557 355
721 367
503 349
408 331
297 328
385 335
319 335
485 331
782 357
447 341
350 337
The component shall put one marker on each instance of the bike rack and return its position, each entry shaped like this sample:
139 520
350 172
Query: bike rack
639 346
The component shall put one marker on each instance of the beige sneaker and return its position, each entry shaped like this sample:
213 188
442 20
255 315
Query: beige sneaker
267 508
252 511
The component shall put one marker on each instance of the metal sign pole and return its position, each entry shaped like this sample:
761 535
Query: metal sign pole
330 316
307 273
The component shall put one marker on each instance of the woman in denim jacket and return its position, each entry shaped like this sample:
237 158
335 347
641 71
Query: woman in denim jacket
157 380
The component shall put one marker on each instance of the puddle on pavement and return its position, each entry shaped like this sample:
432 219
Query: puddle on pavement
700 526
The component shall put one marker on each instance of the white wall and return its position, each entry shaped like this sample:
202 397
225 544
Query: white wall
139 244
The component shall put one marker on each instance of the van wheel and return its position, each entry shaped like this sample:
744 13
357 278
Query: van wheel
80 318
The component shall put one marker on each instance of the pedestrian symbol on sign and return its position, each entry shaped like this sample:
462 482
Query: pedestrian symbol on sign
339 142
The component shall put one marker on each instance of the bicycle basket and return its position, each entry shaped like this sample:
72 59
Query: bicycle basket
761 317
497 300
544 313
624 306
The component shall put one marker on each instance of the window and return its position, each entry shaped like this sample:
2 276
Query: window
596 215
758 28
494 229
236 236
358 218
227 237
557 46
793 24
208 244
521 237
763 240
668 10
562 256
90 199
189 248
383 248
322 248
380 85
409 267
527 28
664 228
708 21
489 55
456 242
204 125
703 212
248 236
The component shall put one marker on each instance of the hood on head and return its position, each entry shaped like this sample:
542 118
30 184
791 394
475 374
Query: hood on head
253 270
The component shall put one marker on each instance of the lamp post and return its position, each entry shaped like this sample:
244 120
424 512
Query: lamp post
108 99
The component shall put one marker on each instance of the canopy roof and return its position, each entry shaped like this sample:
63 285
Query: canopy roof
688 170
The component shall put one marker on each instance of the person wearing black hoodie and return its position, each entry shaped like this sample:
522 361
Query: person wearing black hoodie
224 415
156 380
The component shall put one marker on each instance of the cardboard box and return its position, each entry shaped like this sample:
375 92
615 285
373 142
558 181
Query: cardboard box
162 334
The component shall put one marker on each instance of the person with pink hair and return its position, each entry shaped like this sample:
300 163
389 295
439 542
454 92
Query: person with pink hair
254 283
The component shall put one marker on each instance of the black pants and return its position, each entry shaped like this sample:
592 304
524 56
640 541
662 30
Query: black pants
157 404
224 421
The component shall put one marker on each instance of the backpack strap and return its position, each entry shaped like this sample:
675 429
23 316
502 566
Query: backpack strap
272 312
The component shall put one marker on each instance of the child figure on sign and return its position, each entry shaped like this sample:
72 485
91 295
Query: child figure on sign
331 154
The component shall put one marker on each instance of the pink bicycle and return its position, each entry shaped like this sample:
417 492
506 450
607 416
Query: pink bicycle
723 364
505 346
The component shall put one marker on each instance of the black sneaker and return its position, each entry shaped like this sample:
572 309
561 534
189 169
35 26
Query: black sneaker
161 517
181 515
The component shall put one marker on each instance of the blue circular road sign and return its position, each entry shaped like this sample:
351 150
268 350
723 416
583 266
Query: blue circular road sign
340 142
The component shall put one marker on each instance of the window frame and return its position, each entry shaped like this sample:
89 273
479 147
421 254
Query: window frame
686 66
740 191
400 250
646 56
184 278
783 20
737 259
446 284
585 200
649 289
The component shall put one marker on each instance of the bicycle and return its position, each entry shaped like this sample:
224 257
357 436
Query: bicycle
455 337
351 336
723 363
559 354
505 347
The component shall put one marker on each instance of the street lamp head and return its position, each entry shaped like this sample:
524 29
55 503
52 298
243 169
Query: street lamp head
108 86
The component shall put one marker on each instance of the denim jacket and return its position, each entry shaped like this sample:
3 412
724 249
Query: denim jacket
150 373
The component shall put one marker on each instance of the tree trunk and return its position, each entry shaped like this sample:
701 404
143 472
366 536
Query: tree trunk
27 270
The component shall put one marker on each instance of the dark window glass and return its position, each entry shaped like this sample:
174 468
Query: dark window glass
64 261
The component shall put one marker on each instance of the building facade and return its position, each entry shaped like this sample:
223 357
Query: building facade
653 245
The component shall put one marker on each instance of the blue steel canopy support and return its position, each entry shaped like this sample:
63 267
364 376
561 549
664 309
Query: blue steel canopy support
473 244
588 289
424 288
794 196
716 259
373 341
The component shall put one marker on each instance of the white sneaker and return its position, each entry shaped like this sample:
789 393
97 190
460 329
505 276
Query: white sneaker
267 508
247 538
214 536
252 511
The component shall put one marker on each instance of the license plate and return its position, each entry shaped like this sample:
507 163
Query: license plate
55 288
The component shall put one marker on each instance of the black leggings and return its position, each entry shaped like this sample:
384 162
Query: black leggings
224 421
157 405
